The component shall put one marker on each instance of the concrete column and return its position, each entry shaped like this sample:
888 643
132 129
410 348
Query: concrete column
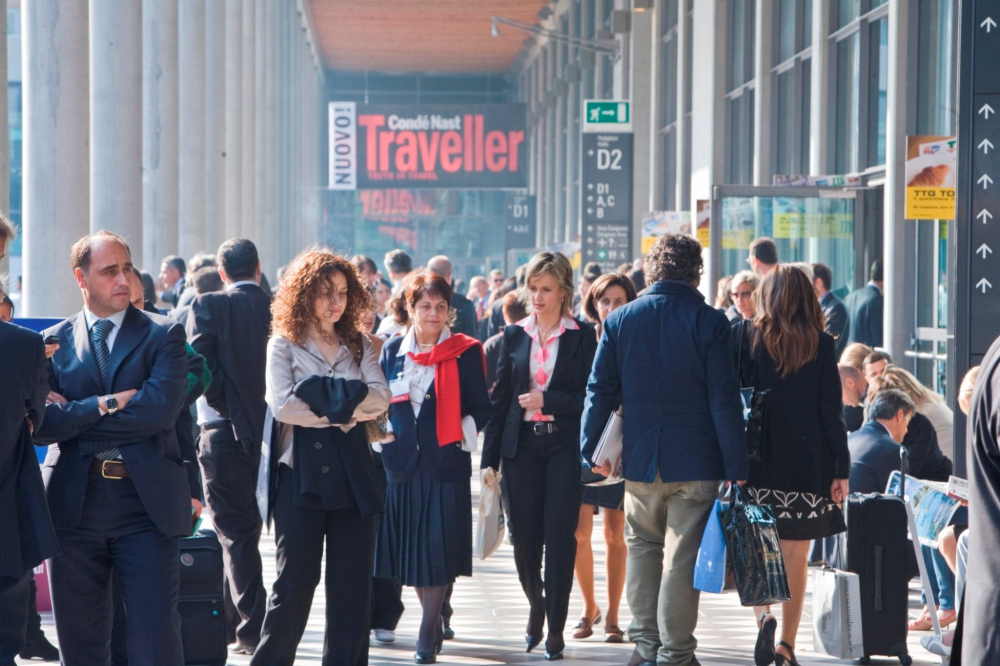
56 114
682 182
763 164
260 118
160 108
116 120
191 103
819 92
281 121
642 85
233 89
215 123
899 246
248 226
5 147
271 167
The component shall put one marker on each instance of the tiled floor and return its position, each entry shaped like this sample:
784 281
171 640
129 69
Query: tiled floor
490 614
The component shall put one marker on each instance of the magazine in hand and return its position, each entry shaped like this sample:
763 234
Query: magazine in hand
933 509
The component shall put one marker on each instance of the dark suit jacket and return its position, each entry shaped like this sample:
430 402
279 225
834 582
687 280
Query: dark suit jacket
416 450
465 320
230 329
925 460
864 316
491 348
835 314
563 399
874 456
187 296
495 323
148 355
26 534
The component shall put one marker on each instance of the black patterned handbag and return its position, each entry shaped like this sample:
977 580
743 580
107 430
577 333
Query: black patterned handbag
754 402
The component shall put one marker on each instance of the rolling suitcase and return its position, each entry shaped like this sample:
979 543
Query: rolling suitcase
877 547
200 604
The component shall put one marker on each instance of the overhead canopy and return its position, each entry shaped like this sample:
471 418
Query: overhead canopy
419 35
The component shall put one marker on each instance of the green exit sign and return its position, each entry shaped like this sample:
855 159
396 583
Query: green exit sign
606 116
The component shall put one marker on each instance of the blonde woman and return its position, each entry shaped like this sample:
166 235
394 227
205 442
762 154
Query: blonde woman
542 376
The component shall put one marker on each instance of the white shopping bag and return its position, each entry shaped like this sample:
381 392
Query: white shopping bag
837 614
490 531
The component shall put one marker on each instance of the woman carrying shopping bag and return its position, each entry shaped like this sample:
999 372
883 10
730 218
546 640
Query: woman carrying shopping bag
806 462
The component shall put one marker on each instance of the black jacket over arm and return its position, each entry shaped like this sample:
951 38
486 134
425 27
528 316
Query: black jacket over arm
26 534
925 460
563 400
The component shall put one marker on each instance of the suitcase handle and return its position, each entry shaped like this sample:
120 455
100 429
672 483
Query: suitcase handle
902 473
878 578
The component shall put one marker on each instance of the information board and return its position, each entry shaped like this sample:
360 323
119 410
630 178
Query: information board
519 221
606 195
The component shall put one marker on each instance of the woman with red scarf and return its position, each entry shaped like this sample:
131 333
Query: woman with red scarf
437 379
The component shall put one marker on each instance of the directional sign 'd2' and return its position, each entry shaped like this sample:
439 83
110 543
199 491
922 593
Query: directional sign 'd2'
607 199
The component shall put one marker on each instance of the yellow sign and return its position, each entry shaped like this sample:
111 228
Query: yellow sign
931 163
703 215
736 239
648 243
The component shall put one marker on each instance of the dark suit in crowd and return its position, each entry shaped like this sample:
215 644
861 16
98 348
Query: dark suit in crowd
26 534
541 468
127 517
835 314
495 323
491 349
230 329
864 316
874 457
465 316
925 460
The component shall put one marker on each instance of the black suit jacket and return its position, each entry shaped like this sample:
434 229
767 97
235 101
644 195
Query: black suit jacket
864 314
874 457
230 329
148 355
465 320
563 399
835 314
26 534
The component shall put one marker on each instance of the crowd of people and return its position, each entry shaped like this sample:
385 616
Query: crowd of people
342 408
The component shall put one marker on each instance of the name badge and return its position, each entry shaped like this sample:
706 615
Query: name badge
400 389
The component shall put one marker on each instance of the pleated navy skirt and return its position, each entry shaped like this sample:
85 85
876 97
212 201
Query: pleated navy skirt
425 536
606 497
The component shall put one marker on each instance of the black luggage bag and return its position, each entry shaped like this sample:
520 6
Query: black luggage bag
200 604
878 550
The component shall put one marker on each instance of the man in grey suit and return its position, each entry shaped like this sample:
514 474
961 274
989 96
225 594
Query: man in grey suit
26 534
864 310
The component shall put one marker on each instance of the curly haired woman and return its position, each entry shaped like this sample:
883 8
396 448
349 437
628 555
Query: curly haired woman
323 380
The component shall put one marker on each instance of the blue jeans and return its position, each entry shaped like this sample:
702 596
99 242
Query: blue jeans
941 577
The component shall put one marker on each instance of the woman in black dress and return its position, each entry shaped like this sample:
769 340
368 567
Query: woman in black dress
806 463
545 361
607 293
437 379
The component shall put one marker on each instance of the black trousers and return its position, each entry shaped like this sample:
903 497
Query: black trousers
116 533
230 480
14 591
300 535
545 497
387 601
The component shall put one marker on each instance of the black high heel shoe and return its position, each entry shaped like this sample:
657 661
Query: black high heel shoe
424 658
533 632
763 652
781 660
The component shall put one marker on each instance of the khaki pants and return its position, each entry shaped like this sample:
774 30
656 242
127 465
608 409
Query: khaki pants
664 523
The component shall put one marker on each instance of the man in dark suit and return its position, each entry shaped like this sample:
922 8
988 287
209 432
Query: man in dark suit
834 310
26 534
230 329
864 310
465 312
875 447
172 272
116 483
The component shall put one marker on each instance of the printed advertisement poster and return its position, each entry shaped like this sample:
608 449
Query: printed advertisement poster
738 218
933 509
797 218
657 223
931 168
703 220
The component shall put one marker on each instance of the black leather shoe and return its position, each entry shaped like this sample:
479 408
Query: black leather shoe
553 656
532 641
424 658
638 660
449 633
40 649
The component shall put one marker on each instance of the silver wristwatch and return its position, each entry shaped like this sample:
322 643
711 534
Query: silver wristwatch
110 404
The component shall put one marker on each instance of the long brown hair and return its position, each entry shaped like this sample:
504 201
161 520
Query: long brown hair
597 289
788 319
294 306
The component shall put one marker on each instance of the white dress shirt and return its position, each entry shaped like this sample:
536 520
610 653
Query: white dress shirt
548 366
117 319
230 287
420 377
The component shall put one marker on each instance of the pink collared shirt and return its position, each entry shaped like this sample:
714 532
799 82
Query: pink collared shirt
542 361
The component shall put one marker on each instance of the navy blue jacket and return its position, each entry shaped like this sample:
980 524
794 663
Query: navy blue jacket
864 316
835 316
668 355
148 355
874 456
415 451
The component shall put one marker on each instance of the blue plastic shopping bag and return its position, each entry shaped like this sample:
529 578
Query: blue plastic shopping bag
711 570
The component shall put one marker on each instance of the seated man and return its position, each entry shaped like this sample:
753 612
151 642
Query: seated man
875 447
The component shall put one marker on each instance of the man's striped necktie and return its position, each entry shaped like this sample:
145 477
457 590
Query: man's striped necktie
99 336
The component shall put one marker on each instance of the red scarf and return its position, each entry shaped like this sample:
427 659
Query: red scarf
447 389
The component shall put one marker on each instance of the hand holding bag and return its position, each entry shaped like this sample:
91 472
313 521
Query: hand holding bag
752 540
490 529
713 572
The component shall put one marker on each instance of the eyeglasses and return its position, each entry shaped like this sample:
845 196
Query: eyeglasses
737 295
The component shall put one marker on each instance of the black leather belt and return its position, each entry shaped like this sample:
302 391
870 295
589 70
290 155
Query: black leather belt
109 469
541 427
216 425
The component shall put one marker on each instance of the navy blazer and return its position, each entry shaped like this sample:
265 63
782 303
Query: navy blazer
563 400
26 534
835 316
668 355
148 355
864 314
416 451
874 457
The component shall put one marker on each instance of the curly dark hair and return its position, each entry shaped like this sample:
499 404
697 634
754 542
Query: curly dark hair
294 309
674 257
